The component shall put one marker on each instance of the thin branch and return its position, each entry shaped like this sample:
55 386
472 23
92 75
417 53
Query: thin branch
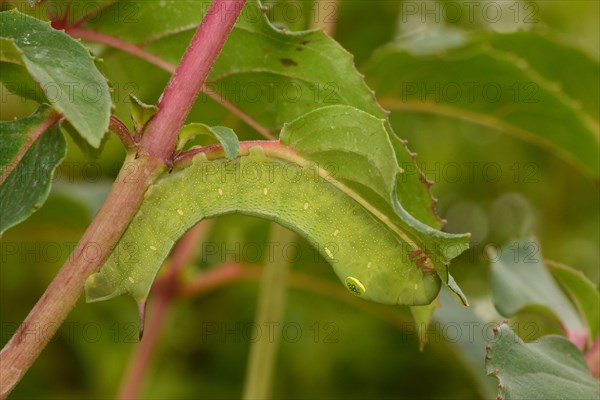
115 42
118 128
127 47
226 274
163 291
178 97
218 277
52 119
125 196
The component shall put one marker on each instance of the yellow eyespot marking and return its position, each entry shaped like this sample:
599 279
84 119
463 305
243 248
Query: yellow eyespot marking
336 232
329 253
180 212
130 279
355 286
369 265
152 248
305 206
265 191
220 192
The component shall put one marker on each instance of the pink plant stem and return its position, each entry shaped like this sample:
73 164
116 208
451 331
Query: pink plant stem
124 199
114 42
183 88
118 128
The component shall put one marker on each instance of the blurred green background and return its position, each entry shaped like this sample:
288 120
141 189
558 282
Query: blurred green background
333 349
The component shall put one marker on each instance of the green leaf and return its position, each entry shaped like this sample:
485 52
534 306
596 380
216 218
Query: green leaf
141 113
88 150
526 91
17 80
465 329
520 281
63 68
30 150
546 56
550 368
356 150
274 76
583 292
224 135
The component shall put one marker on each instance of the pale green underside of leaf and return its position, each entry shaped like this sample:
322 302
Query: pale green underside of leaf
140 112
28 185
271 75
507 82
520 280
62 67
550 368
225 136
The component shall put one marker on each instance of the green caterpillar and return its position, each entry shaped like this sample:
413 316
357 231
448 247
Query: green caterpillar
372 260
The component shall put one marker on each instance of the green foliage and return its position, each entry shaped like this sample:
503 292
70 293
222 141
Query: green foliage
276 76
507 82
63 68
27 187
520 280
583 293
550 368
270 73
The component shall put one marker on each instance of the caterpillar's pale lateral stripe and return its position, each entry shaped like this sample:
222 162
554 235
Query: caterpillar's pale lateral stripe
372 260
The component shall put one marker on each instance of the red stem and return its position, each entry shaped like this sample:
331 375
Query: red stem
183 88
118 128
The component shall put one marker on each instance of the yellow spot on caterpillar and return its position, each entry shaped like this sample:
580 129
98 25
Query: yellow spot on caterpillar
152 248
336 232
416 286
130 279
369 265
220 192
265 191
305 206
329 253
180 212
355 286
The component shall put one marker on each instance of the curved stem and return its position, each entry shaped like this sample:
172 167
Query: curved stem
124 198
118 128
